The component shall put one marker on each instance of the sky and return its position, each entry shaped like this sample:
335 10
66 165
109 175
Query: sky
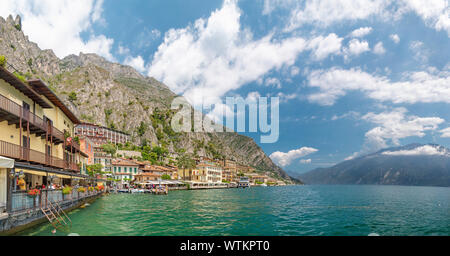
352 76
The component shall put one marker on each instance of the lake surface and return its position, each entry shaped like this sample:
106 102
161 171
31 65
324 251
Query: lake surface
279 211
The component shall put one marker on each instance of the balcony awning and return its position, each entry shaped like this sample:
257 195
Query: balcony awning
6 162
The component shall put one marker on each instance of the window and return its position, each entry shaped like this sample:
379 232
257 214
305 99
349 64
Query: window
125 169
120 169
115 169
135 170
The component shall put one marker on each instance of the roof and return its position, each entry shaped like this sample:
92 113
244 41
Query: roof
103 127
148 174
22 87
123 162
42 89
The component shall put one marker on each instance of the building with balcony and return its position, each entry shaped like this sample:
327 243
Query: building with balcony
101 135
36 135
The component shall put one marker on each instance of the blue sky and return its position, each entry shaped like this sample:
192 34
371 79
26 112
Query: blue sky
352 76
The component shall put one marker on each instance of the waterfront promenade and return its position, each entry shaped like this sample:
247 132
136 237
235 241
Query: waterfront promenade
26 211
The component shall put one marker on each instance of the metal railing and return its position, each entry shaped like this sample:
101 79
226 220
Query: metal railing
21 201
17 152
27 116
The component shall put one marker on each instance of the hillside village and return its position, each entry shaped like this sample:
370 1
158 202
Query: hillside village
113 158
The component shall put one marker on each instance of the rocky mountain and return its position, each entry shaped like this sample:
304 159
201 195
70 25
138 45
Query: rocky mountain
119 97
414 164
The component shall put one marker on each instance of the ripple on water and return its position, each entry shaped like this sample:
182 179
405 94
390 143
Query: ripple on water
292 210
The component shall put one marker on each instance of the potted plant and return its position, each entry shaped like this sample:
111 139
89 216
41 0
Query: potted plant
33 193
81 189
91 189
67 190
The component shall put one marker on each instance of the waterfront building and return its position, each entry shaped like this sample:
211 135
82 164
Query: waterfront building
101 135
37 146
229 173
212 173
145 177
87 147
125 169
103 158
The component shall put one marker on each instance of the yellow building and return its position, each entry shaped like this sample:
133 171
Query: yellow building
36 131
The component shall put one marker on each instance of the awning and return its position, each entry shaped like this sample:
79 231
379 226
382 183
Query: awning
33 172
62 176
6 162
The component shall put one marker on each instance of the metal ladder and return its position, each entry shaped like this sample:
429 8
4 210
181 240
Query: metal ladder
53 213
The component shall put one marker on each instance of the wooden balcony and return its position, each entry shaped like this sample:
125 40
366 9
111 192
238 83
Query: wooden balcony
13 113
29 155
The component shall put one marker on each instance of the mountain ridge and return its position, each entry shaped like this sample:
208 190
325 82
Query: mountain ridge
412 164
117 96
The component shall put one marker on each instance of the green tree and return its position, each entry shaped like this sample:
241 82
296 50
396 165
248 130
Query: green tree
94 169
142 129
110 149
72 96
3 60
166 177
186 162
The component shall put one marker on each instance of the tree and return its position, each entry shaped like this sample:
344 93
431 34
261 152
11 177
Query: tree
110 149
166 177
142 129
94 169
185 162
3 61
72 96
161 152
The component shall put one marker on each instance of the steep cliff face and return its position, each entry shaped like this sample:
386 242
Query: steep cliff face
117 96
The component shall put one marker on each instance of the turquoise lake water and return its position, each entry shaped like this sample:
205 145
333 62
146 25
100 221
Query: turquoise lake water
290 210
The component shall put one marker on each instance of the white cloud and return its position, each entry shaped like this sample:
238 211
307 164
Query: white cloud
361 32
214 55
306 161
396 125
427 150
356 47
123 50
445 133
58 25
395 38
420 52
321 46
434 13
285 159
429 86
272 81
350 114
136 62
379 49
295 71
327 12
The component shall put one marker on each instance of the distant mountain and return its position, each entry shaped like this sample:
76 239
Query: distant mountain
119 97
414 164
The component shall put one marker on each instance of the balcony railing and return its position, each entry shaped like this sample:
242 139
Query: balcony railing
12 108
20 201
17 152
